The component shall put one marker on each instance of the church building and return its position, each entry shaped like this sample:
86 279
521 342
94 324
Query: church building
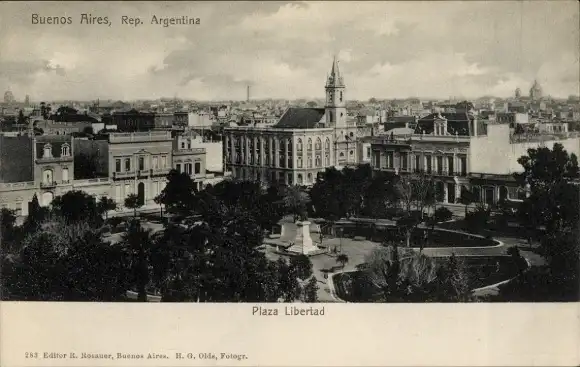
303 143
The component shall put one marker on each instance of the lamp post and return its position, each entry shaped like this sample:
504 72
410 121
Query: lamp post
340 232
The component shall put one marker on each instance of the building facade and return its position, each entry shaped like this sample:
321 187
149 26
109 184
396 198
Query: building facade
125 163
303 143
463 153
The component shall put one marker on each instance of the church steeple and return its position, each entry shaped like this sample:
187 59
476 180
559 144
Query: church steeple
335 97
335 78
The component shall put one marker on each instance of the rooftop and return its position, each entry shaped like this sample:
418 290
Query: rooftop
301 118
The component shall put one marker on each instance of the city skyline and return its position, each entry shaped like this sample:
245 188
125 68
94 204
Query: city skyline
284 50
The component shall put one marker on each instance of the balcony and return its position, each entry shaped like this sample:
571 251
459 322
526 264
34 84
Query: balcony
48 185
160 171
67 158
125 174
188 151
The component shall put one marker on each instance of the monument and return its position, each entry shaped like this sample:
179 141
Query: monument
302 244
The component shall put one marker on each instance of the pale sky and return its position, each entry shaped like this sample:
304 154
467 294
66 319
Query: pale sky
285 50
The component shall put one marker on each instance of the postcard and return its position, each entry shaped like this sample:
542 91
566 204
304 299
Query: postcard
312 183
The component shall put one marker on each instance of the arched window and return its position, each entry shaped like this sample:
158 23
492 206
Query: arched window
299 162
299 180
47 176
289 145
309 178
318 145
341 154
327 144
309 162
318 161
47 151
340 98
327 160
309 144
351 153
299 145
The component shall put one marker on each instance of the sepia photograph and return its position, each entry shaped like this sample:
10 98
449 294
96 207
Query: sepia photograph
289 155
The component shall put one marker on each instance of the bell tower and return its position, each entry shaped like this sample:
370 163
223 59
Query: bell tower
335 98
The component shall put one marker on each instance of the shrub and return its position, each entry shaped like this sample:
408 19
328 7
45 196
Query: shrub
442 214
105 229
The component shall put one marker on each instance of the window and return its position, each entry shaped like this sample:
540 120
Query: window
463 163
327 144
351 153
440 165
154 162
417 163
309 162
309 178
197 167
299 145
389 159
65 175
340 98
368 152
450 166
127 164
341 155
428 159
188 168
404 161
47 151
309 144
318 145
182 145
141 163
299 162
178 167
117 165
327 160
299 180
65 150
318 161
47 176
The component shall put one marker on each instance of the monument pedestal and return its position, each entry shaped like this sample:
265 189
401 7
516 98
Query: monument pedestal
303 243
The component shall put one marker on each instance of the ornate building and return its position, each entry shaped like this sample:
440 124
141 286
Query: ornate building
120 165
461 151
304 142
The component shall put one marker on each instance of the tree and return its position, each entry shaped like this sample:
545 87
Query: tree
311 290
178 196
547 174
466 198
7 230
77 205
63 261
311 104
36 214
342 259
105 204
296 201
453 281
137 242
133 202
302 266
